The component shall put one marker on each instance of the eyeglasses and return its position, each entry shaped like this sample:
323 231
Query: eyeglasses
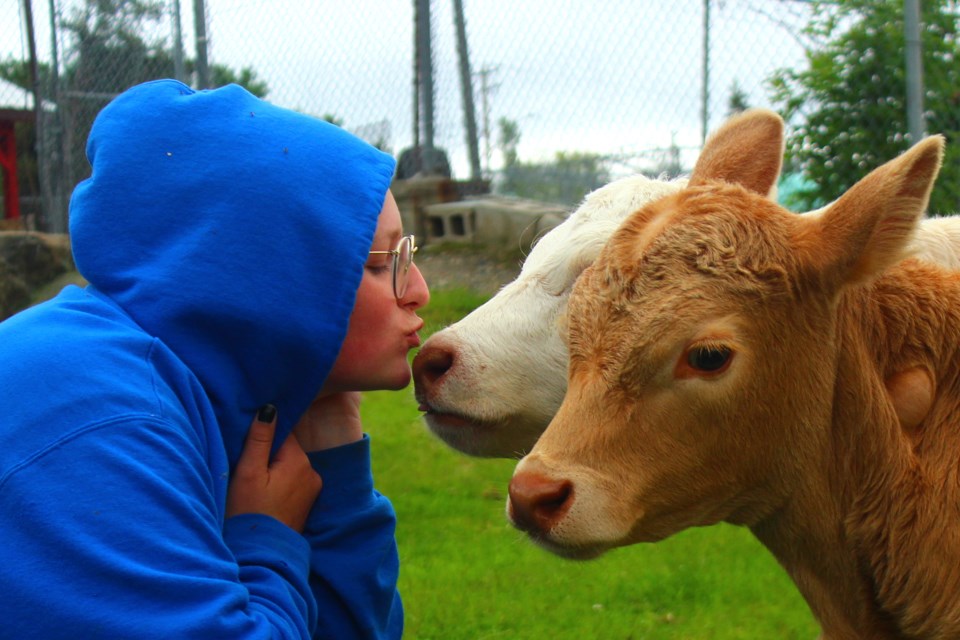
402 261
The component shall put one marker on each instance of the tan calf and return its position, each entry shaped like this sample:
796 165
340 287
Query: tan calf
728 362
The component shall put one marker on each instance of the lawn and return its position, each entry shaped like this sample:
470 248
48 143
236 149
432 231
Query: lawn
466 574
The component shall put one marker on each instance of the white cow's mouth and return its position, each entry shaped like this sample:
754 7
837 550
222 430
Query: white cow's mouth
483 438
455 420
450 419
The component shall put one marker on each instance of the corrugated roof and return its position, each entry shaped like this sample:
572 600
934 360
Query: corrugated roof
14 97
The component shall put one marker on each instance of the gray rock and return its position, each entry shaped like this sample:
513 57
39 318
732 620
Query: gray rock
14 293
28 261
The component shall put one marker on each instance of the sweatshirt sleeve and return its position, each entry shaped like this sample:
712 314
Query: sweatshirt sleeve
115 532
354 563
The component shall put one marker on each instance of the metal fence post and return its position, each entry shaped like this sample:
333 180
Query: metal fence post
200 26
466 91
914 69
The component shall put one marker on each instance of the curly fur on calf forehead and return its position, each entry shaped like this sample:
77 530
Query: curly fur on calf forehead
716 230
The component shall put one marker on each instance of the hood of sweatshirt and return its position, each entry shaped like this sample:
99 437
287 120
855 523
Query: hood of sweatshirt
235 232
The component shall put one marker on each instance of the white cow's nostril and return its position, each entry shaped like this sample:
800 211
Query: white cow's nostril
430 365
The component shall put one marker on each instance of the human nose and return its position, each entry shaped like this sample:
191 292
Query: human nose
417 294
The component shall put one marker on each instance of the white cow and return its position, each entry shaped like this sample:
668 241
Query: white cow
490 383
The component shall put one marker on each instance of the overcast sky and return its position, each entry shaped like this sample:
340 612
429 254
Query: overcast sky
611 76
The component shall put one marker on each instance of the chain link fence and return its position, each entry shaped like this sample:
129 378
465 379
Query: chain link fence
563 95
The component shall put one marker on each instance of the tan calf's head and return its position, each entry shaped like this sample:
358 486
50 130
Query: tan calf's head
703 346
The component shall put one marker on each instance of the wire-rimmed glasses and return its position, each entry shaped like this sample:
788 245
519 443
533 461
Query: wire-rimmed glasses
402 261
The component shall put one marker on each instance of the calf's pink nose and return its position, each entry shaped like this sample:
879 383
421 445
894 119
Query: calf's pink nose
538 503
429 366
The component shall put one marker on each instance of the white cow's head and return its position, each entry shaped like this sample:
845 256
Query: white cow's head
491 383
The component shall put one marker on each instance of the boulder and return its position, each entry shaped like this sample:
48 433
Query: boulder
29 260
14 293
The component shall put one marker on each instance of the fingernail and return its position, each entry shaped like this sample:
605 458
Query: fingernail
267 413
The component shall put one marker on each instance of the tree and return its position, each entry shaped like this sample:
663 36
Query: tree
565 180
849 105
508 140
221 75
110 45
110 48
668 165
108 51
738 101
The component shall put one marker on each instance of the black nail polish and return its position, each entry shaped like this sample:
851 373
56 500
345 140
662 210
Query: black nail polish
267 413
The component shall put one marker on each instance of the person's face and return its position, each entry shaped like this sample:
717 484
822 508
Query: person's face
382 329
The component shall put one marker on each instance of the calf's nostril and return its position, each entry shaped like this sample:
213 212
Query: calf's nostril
538 503
430 364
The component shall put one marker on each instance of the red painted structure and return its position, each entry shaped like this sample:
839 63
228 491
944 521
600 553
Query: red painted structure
8 159
8 162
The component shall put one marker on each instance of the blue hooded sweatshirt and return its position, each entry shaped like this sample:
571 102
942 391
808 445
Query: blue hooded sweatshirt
224 239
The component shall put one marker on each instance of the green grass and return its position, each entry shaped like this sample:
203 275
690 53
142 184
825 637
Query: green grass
466 574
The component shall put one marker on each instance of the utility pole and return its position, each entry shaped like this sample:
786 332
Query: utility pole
486 88
416 74
200 26
466 90
51 143
705 89
914 67
45 172
178 71
60 138
425 74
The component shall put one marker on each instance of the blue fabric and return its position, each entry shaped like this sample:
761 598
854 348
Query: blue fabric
223 239
351 514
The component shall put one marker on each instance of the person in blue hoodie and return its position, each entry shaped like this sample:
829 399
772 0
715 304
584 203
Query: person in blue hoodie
163 428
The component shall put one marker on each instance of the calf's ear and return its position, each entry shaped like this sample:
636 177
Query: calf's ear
746 150
870 226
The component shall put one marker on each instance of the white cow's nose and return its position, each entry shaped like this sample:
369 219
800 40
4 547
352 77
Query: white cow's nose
429 366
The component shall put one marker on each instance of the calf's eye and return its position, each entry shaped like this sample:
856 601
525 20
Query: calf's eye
709 359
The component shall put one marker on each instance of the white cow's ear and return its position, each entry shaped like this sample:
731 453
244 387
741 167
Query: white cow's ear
870 227
746 150
563 326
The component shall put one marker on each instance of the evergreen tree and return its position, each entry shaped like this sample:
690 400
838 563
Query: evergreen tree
848 107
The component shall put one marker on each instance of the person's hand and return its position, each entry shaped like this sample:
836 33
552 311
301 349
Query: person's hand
330 421
284 488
